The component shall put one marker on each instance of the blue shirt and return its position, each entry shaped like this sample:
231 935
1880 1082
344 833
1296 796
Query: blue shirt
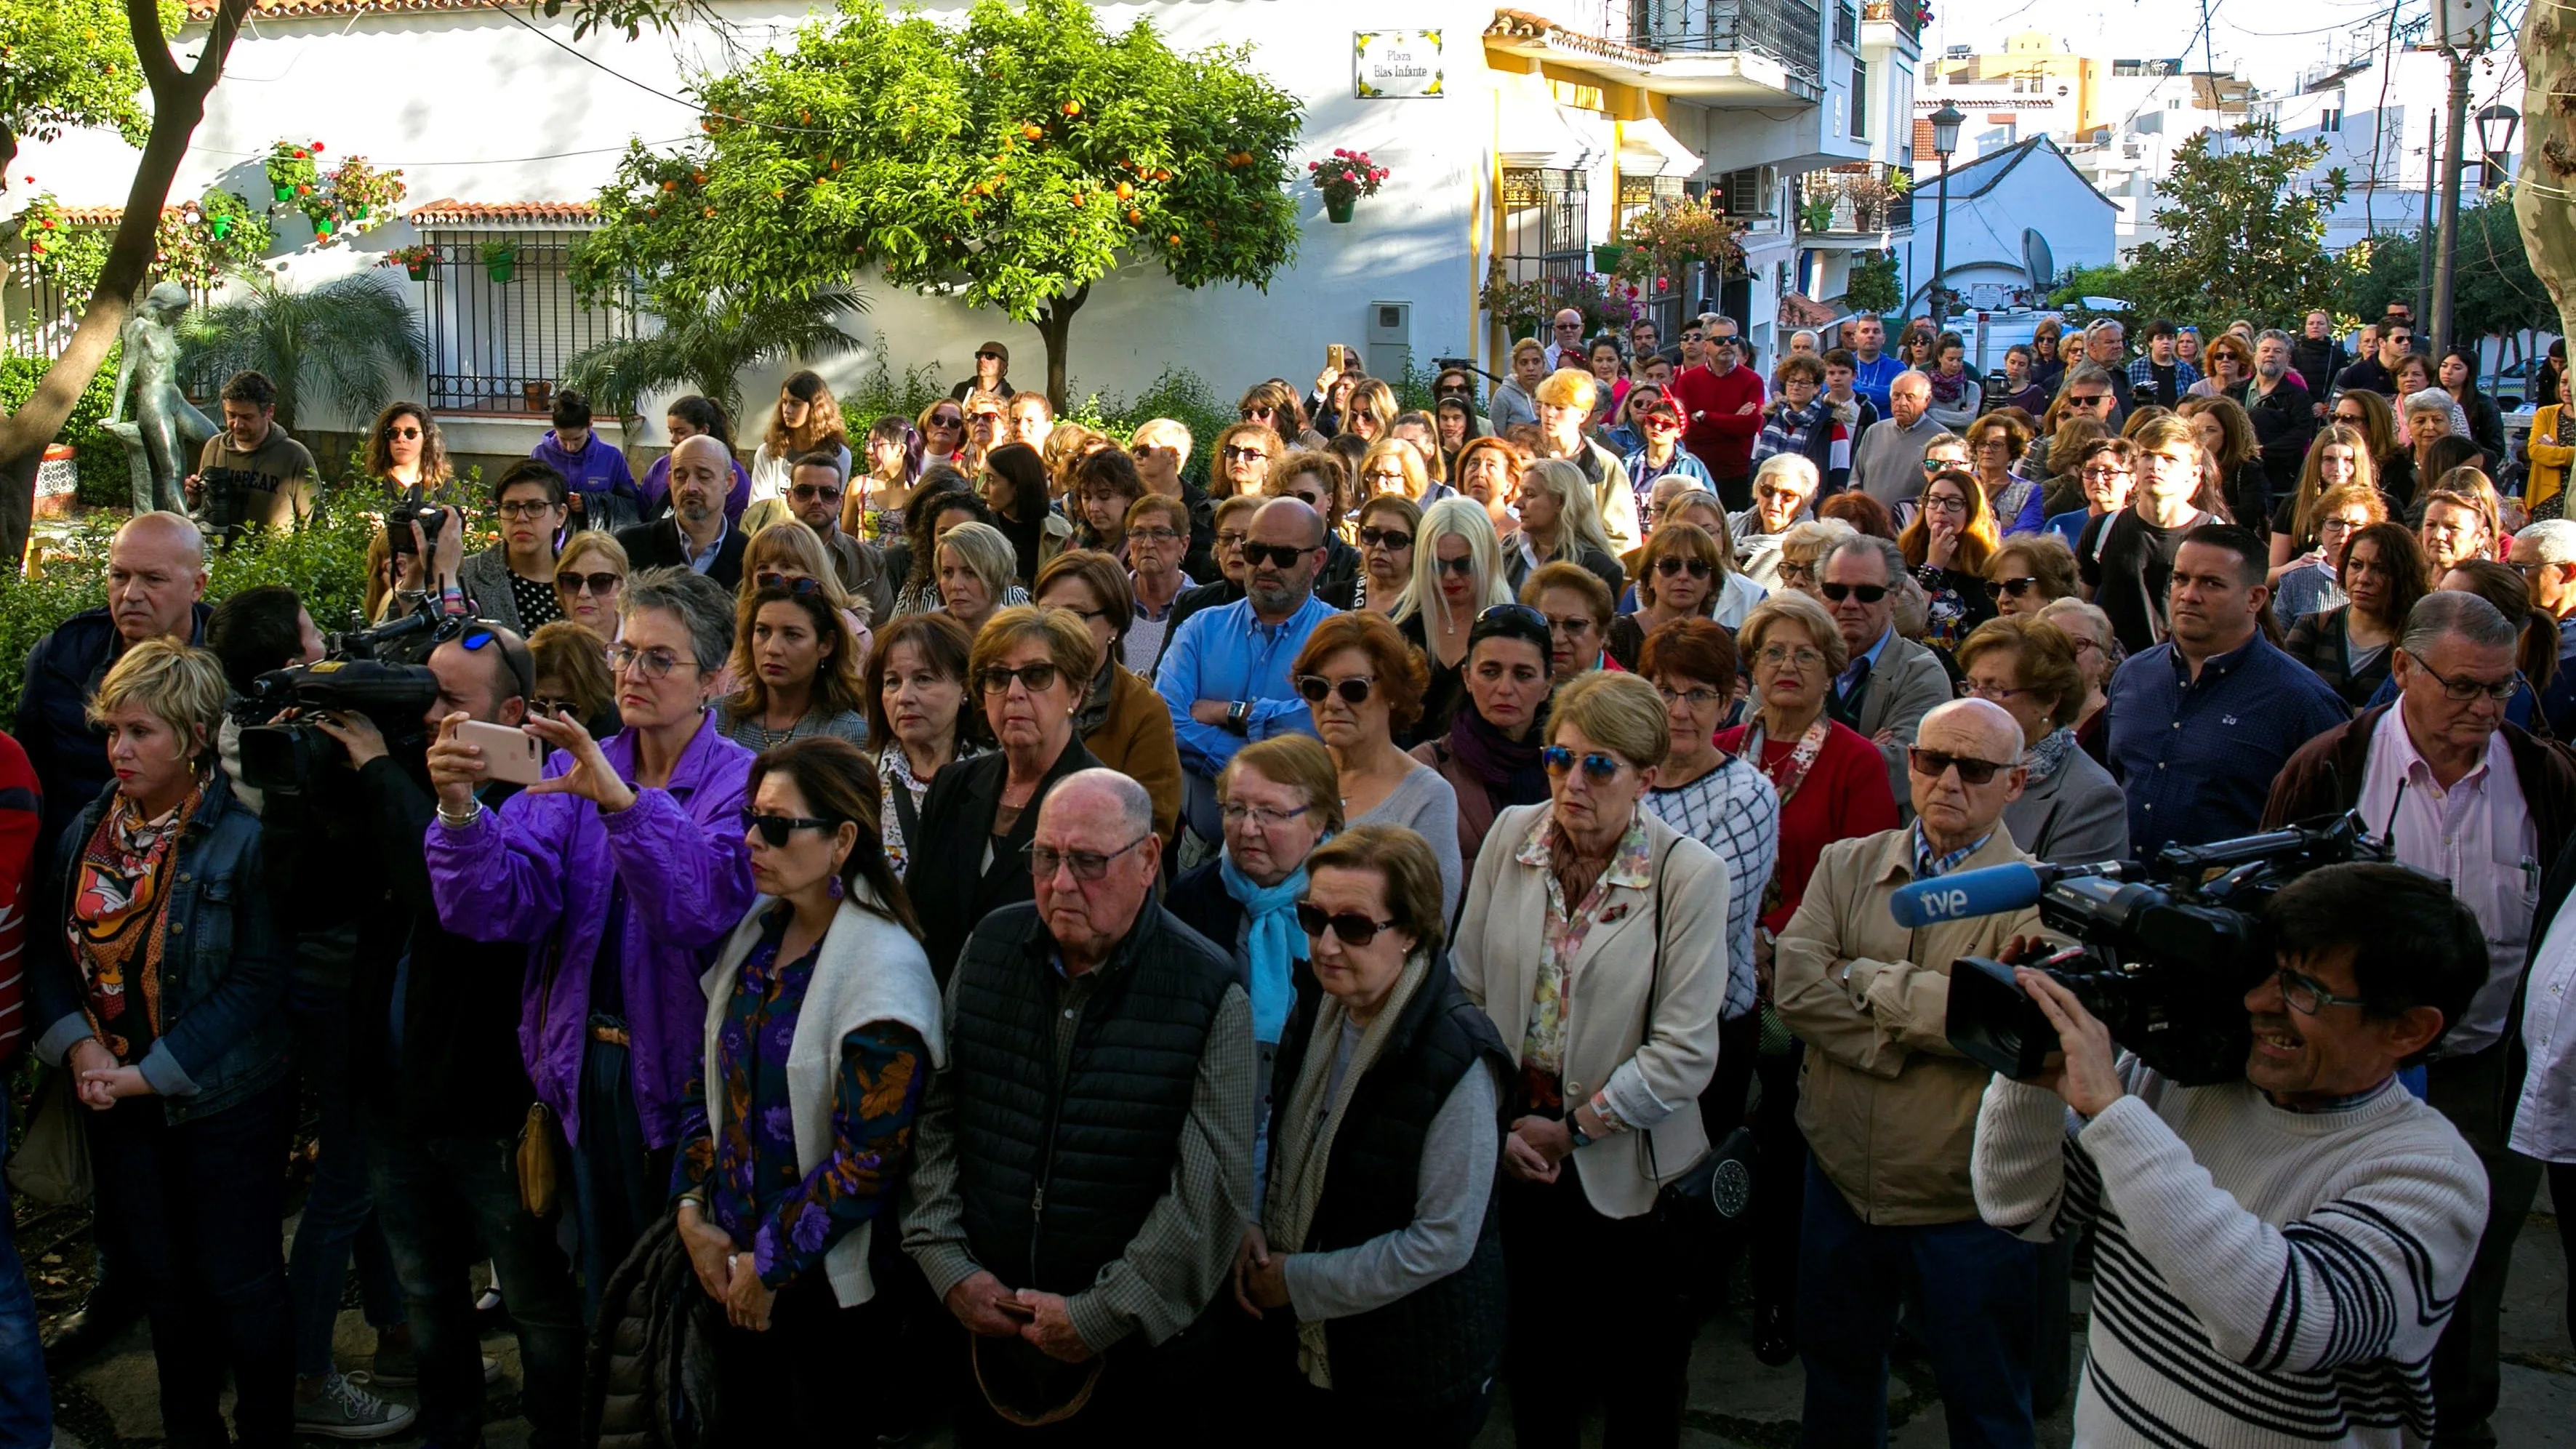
1854 672
1871 377
1227 653
2069 525
2196 758
702 560
2559 704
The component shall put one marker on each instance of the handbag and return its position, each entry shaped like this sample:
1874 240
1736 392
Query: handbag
538 1161
1680 1192
51 1164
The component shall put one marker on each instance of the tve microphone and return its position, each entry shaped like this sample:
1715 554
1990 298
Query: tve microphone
1984 892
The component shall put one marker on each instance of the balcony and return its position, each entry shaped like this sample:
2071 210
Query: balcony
1864 205
1785 31
1903 17
1721 53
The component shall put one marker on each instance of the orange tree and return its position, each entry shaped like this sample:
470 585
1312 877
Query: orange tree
1010 162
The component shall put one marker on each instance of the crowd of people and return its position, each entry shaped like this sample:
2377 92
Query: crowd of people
978 921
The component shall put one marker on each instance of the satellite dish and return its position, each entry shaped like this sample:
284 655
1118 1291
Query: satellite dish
2037 260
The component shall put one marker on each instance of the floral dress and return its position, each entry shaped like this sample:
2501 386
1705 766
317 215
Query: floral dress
745 1164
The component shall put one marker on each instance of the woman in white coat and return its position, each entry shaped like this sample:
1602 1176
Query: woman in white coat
823 1027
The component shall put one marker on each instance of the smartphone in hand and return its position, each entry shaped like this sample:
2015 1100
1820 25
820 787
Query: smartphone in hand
508 753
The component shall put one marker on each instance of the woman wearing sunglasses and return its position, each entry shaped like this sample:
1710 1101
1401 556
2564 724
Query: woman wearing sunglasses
943 434
786 555
1457 575
1784 492
1123 722
795 669
2071 811
1028 674
1659 449
1610 1061
1678 576
590 582
821 1028
1490 754
1376 1271
406 451
2027 574
572 677
1363 685
619 870
1833 785
1387 525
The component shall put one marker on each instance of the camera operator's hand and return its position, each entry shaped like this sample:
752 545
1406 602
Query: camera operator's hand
356 733
448 551
2085 1075
590 776
456 769
193 488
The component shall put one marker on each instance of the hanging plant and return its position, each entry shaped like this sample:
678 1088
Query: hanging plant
291 169
68 257
364 194
1344 178
415 259
240 232
1672 236
500 260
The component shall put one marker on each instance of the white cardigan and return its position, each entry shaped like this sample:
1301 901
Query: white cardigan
869 969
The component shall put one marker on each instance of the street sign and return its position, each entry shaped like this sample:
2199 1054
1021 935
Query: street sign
1394 65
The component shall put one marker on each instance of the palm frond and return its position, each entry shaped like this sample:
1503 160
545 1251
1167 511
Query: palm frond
708 351
343 344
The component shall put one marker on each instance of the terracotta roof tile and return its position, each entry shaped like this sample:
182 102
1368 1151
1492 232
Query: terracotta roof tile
204 10
1522 25
447 211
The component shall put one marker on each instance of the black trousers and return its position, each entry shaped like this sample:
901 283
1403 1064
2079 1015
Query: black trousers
793 1383
1148 1395
1576 1276
2478 1092
1779 1181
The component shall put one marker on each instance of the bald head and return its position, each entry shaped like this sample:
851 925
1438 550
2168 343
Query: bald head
1958 738
1097 799
1981 721
701 475
156 573
1093 818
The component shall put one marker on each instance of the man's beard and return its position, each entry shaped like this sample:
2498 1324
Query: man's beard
2272 371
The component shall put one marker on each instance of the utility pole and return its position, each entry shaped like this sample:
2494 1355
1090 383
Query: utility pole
2424 241
2438 321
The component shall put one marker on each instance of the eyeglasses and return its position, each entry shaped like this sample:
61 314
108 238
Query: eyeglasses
547 706
1866 593
1046 860
1567 326
1461 567
1348 927
1996 692
776 828
1393 540
1226 540
1671 567
1153 535
798 585
525 508
1259 815
2307 996
1035 678
1782 656
2010 588
1944 503
2086 400
1933 764
2097 474
1386 477
1352 690
808 492
2462 690
1795 574
1245 455
596 585
1570 625
1695 698
1282 555
1560 761
404 433
651 663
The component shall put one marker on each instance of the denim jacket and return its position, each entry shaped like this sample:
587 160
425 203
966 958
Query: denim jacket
224 963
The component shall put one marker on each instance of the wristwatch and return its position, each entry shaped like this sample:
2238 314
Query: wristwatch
1238 718
1574 1129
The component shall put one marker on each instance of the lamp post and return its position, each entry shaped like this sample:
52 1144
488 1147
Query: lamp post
2496 125
1945 139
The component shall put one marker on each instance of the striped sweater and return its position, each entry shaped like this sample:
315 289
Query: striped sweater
2261 1276
21 811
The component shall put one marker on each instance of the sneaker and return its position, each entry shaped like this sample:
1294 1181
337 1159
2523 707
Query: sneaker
491 1368
346 1411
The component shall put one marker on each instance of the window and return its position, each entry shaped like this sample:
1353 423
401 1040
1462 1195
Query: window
1746 194
2330 120
1546 221
501 331
1860 100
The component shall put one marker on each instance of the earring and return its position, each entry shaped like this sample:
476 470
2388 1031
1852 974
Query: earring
835 885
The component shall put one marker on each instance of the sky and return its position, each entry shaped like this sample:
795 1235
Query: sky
2272 39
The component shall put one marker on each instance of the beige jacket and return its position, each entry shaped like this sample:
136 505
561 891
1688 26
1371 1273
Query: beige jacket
1888 1105
1500 946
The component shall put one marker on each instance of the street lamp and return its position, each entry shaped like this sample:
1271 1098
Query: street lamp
1945 139
2496 125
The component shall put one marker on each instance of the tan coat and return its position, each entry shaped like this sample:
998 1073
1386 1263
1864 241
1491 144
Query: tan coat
1887 1104
1501 945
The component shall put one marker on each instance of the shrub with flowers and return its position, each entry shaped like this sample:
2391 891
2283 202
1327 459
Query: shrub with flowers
292 172
67 256
366 195
1669 238
1605 302
351 196
1346 176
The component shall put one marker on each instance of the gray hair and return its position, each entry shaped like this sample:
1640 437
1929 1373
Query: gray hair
2430 400
2272 334
1797 466
2086 372
1916 373
1135 806
2446 612
2106 324
2553 539
703 606
1888 553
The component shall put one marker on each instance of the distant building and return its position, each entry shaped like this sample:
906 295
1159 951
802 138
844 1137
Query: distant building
1996 201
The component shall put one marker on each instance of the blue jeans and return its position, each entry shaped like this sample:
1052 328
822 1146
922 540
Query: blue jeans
1979 1297
26 1404
339 1212
196 1209
449 1203
619 1185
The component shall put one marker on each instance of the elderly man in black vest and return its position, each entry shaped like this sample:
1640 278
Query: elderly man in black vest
1085 1167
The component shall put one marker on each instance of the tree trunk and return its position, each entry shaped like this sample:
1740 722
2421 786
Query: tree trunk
2542 195
1055 324
178 104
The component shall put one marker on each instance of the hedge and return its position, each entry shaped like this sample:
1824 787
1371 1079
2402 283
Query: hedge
104 478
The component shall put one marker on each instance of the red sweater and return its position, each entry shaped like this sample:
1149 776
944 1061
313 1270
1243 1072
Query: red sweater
1845 796
20 812
1718 429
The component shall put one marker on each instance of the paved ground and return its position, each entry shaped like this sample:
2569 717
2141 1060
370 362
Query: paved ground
1735 1403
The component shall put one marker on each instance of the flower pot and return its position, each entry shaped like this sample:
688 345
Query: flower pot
502 268
223 227
1606 256
1337 209
419 270
284 193
539 396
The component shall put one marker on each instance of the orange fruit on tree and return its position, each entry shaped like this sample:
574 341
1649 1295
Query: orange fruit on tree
1073 108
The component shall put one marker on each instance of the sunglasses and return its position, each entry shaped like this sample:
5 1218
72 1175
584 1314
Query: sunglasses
1866 593
2087 400
776 828
1352 690
548 706
2009 588
1513 613
1456 567
1561 761
1348 927
948 420
1036 678
808 492
595 585
1933 764
799 586
402 432
1674 567
988 357
1244 455
1284 555
1394 540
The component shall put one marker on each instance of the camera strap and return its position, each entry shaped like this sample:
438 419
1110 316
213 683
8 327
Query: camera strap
1654 998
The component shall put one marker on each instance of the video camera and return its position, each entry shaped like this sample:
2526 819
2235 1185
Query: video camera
372 672
2168 947
223 498
413 509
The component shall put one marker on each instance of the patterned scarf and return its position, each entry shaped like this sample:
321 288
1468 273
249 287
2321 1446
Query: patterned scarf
120 909
2043 759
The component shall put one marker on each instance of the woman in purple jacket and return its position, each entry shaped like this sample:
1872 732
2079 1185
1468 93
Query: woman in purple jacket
623 869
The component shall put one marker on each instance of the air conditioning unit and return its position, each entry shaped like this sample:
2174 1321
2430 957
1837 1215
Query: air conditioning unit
1390 338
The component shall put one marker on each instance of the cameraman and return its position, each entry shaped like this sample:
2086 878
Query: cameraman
273 473
443 1096
2275 1257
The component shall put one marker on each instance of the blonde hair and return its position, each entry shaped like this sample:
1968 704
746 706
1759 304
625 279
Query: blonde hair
1569 387
797 546
1578 515
1616 710
986 550
1298 761
1461 517
1417 473
1792 607
182 687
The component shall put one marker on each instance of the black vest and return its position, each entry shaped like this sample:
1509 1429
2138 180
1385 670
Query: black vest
1441 1343
1058 1173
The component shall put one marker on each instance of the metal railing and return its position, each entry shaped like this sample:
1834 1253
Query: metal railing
500 331
1846 24
1864 198
1787 31
1905 15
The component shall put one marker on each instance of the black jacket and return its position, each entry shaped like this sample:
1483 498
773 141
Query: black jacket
68 753
2318 362
951 884
658 545
2284 423
1060 1164
1199 898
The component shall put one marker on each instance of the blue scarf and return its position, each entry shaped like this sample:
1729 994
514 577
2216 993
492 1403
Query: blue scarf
1270 944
